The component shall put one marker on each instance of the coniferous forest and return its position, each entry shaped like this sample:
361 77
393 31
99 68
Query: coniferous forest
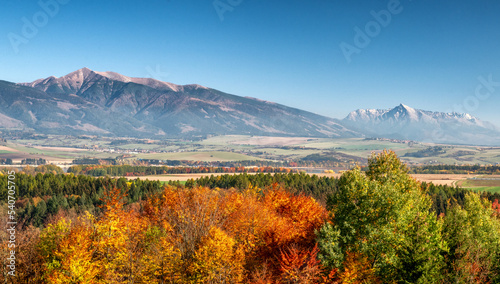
374 226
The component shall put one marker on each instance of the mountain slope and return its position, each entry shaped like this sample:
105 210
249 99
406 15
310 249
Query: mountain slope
185 110
404 122
25 108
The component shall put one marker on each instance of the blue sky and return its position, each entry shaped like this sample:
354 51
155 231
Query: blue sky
433 55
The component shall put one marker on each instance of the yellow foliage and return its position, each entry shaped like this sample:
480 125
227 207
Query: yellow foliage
77 265
50 238
219 259
161 262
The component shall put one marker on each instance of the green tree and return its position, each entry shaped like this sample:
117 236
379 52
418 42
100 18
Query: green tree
383 215
39 213
473 234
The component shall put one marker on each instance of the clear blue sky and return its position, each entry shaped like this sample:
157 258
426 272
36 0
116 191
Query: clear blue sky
429 55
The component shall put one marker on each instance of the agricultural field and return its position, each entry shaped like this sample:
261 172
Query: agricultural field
441 179
177 177
200 156
482 183
63 149
55 155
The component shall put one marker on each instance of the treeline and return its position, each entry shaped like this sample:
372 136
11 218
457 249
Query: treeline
43 169
227 164
33 170
442 196
128 170
428 152
94 161
41 196
7 161
456 169
48 189
31 161
298 183
325 160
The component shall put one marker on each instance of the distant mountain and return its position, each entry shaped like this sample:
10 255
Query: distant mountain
111 104
404 122
108 103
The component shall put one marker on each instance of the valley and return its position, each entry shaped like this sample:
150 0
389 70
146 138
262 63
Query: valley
302 152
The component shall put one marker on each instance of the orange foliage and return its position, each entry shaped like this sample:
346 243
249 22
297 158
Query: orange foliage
268 224
195 235
246 218
297 216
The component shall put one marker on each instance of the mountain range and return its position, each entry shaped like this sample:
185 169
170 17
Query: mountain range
108 103
111 104
404 122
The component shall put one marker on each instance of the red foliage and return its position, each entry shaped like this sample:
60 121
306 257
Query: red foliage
300 266
496 207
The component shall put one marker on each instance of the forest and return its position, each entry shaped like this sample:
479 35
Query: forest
456 169
130 170
378 225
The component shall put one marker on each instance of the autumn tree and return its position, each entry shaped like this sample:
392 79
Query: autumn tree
219 259
186 216
161 259
271 221
29 263
301 266
96 250
74 259
48 244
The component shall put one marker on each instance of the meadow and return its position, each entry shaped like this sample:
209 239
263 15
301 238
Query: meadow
482 183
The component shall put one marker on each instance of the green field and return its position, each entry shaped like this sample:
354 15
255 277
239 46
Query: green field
481 185
492 189
183 182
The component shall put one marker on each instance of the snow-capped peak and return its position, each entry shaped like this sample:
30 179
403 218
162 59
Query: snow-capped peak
404 122
403 112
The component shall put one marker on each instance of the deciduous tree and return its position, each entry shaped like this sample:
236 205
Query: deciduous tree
384 217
